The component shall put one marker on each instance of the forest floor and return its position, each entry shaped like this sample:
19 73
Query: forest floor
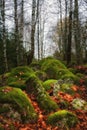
41 123
42 116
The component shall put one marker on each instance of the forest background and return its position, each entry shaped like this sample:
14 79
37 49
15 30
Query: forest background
39 28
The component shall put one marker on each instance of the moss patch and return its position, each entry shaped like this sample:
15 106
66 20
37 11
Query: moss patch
17 101
18 84
18 77
79 104
57 70
62 118
19 73
41 75
64 86
34 86
48 84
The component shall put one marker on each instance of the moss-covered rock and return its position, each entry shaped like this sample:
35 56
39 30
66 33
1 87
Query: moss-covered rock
18 76
19 73
18 84
51 67
57 70
71 76
34 86
79 104
35 65
41 75
63 86
51 61
48 84
62 118
15 104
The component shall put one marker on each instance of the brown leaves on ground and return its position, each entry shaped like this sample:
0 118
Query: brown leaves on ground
42 116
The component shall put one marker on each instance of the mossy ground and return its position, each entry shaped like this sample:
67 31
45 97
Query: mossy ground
40 77
19 102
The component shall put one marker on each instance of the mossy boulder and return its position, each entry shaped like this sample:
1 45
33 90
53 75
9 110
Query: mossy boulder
18 76
51 66
15 104
55 69
48 61
34 86
18 84
41 75
35 65
79 104
48 84
63 86
62 118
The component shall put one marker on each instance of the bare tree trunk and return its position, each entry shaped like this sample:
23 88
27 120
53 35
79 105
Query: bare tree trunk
4 35
16 32
21 30
65 33
31 53
77 32
38 29
69 35
61 33
42 38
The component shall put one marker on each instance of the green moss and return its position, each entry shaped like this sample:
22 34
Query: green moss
48 84
19 101
79 104
80 75
72 70
71 76
34 86
35 65
57 70
18 84
19 73
50 61
62 118
51 67
64 86
41 75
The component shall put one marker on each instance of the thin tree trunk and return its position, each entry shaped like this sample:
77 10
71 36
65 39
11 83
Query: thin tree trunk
77 32
31 53
38 29
4 36
69 35
65 34
16 32
21 30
